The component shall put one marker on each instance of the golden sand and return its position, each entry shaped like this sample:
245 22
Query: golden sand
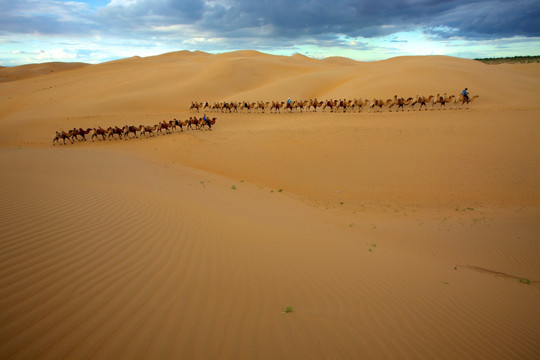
410 235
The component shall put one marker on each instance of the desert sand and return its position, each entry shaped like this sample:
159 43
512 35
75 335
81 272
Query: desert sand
390 235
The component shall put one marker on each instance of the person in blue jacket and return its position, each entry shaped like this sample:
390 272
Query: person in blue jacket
465 94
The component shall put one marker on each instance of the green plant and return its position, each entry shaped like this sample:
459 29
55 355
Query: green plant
525 281
288 309
202 183
233 187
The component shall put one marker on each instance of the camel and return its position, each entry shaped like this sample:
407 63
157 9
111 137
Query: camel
114 131
245 106
195 106
263 105
423 101
276 106
192 121
343 104
179 123
98 132
229 107
380 103
331 104
400 102
289 106
315 104
63 135
80 132
299 105
460 100
443 99
163 125
148 129
202 123
359 103
132 129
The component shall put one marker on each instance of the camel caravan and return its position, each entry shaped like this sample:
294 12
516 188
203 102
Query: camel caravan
419 102
128 132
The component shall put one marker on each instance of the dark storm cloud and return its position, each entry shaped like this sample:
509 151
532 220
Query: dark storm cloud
286 19
151 13
492 19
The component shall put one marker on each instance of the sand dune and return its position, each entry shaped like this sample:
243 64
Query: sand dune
409 235
32 70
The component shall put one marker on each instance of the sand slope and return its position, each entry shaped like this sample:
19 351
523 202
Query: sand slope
33 70
391 235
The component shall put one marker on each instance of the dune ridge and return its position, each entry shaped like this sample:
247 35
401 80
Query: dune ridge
32 70
388 235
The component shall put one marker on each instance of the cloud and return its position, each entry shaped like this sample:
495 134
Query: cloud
491 19
267 25
122 15
45 17
288 19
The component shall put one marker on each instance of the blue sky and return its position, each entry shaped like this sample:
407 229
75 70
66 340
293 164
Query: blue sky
94 31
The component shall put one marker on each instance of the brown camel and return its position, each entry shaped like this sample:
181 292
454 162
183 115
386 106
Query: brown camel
460 100
195 106
180 124
115 131
261 105
315 104
359 103
148 130
423 101
80 132
98 132
276 106
132 129
345 104
192 121
63 135
442 100
380 103
331 104
400 103
163 125
208 122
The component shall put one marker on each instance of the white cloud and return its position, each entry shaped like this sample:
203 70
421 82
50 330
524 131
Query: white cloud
58 54
123 3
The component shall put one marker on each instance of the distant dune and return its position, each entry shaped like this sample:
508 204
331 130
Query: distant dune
28 71
295 235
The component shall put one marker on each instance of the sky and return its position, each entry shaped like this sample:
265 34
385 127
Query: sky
95 31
